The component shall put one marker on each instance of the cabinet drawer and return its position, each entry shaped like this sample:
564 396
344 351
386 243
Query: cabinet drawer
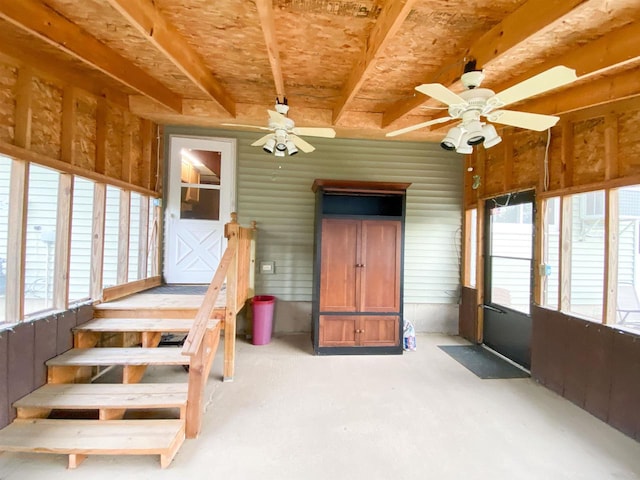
338 331
359 330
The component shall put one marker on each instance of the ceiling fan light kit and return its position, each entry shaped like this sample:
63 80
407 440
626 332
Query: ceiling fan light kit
474 103
285 136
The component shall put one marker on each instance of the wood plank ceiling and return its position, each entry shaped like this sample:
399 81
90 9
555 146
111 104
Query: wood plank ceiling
352 65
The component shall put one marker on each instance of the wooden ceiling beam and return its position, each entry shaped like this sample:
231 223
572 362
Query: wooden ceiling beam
265 12
391 18
146 18
46 67
531 18
42 21
590 94
612 51
609 52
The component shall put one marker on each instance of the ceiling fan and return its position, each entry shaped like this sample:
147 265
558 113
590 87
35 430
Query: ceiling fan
473 103
284 136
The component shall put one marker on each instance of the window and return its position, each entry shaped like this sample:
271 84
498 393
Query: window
472 234
80 248
550 275
510 253
111 233
5 176
628 305
134 235
40 249
152 242
200 184
587 254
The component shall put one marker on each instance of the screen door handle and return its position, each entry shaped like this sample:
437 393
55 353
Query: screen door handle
493 309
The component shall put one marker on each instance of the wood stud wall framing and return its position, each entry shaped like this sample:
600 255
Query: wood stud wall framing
521 164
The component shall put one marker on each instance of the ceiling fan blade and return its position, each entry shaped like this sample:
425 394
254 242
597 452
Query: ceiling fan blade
530 121
314 132
301 144
276 116
245 126
261 141
441 93
548 80
418 126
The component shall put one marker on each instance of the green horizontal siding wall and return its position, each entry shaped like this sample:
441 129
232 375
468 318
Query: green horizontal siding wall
276 192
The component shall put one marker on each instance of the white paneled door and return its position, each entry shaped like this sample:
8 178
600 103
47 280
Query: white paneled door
199 201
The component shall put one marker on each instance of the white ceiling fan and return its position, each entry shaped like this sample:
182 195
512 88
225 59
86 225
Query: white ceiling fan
473 103
284 136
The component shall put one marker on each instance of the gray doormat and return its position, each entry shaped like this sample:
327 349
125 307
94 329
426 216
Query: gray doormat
179 290
482 362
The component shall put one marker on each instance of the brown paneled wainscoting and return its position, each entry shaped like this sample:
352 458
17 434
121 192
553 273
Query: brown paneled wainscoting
594 366
24 349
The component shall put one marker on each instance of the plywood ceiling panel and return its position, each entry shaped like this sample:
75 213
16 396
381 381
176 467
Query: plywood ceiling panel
362 59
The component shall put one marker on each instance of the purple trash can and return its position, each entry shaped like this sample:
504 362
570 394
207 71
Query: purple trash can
262 306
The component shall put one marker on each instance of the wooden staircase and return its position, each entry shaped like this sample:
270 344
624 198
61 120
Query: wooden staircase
69 392
48 419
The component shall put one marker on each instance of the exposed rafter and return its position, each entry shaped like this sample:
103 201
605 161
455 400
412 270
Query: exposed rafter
612 51
145 17
531 18
265 12
389 21
49 67
589 94
607 53
41 20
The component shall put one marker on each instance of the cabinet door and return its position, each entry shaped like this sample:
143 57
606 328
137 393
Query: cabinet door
379 331
380 270
339 256
338 331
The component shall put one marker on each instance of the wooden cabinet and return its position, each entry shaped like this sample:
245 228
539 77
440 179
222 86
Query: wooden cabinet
357 304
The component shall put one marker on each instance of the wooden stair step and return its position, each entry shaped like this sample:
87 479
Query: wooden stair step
177 325
102 396
79 438
89 357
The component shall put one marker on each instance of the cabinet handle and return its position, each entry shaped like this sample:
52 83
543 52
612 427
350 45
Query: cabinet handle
359 331
359 264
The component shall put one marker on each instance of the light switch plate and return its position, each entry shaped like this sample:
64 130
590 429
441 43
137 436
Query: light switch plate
267 268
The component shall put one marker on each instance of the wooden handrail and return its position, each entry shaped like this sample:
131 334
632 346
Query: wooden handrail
197 331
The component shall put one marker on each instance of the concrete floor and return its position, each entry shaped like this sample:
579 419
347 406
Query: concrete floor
292 415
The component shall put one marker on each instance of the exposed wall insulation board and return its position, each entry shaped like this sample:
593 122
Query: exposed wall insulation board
588 151
124 39
528 148
8 78
629 142
494 165
555 159
115 129
39 54
46 120
137 166
85 139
